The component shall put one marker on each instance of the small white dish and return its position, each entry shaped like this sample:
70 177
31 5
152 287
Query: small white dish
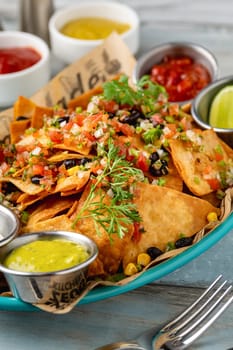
70 49
27 81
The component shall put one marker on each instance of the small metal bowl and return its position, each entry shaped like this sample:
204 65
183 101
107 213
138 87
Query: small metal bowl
9 225
197 52
58 287
200 108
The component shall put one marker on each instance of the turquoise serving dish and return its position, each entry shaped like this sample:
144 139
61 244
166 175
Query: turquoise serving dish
151 275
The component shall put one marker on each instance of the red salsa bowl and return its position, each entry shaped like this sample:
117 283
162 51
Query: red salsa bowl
184 69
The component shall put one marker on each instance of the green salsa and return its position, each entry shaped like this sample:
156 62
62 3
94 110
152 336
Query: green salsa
46 256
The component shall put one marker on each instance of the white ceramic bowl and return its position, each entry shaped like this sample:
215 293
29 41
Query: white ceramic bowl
29 80
70 49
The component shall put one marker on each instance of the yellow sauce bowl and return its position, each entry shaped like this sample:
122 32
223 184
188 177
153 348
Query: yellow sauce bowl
69 49
41 287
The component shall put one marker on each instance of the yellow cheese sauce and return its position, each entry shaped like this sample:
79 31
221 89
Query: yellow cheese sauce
93 28
46 256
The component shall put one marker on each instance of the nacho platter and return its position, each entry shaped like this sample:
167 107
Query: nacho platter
110 169
153 143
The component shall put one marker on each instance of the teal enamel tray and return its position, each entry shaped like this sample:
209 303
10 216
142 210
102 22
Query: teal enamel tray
153 274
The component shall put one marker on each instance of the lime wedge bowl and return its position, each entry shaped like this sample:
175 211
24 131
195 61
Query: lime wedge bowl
213 108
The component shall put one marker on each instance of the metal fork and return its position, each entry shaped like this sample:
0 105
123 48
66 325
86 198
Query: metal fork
188 326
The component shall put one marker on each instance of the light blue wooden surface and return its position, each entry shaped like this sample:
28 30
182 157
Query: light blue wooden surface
208 22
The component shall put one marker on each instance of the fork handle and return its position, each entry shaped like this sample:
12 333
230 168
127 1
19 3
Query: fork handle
121 345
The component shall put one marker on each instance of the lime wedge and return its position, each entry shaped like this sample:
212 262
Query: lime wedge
221 111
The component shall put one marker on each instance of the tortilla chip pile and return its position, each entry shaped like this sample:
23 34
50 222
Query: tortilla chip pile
120 165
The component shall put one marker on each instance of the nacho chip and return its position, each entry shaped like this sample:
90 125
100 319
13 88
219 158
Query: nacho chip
25 199
17 128
24 186
49 209
59 157
83 100
172 179
74 182
23 107
166 214
82 149
57 223
198 162
110 252
38 115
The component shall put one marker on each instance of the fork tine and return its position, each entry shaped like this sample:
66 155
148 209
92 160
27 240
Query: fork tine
206 325
169 326
204 315
199 309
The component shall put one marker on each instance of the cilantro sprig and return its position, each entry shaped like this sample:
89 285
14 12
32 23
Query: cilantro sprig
118 211
145 93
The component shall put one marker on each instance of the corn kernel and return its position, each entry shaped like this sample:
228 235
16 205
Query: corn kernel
143 259
73 171
130 269
212 216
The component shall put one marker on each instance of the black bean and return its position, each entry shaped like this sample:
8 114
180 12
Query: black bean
83 161
70 163
132 118
8 187
65 118
164 170
111 115
155 171
21 117
154 252
184 242
36 179
164 162
154 157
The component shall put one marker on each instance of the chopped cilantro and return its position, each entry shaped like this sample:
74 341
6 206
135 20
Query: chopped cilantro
24 217
170 246
196 180
145 94
151 135
161 182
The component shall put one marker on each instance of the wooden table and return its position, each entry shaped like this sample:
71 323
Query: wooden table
207 22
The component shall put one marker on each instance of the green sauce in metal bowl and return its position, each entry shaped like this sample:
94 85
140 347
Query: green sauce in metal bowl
46 256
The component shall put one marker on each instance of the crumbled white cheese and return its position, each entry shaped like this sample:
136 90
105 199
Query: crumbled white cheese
192 136
98 133
62 124
146 125
36 151
75 129
160 152
166 130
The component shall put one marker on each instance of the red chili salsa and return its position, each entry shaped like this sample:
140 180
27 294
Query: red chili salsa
15 59
182 77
